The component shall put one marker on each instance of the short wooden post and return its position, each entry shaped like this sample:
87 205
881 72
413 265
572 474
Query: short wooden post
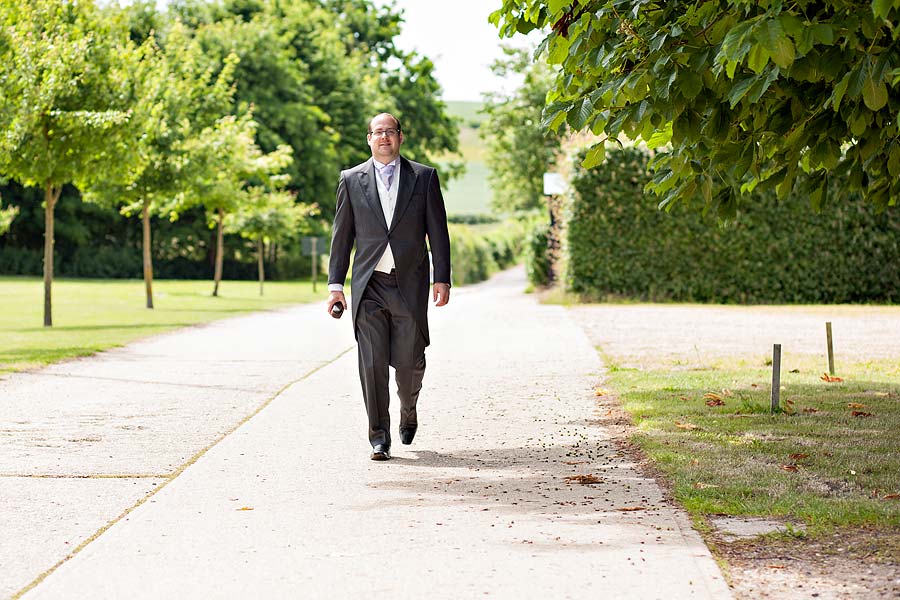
830 348
776 376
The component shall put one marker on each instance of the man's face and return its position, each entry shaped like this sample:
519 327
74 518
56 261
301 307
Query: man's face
385 148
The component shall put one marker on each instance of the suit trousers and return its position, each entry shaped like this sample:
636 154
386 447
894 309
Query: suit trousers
387 336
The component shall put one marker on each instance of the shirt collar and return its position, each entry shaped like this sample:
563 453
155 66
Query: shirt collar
380 166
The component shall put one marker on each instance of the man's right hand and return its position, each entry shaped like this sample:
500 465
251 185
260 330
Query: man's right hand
335 298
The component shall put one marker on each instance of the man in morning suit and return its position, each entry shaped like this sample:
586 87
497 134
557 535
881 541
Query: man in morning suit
387 206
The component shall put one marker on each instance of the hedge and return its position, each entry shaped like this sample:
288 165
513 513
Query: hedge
479 252
620 244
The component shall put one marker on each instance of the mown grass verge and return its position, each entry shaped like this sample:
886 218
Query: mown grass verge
829 459
94 315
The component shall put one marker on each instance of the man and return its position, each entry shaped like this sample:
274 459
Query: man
387 206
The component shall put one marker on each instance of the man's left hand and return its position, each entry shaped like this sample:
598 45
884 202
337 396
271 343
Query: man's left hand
441 294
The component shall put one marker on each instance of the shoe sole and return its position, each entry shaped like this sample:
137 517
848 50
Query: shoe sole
380 456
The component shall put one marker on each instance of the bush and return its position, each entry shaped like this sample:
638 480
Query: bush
619 243
537 255
477 253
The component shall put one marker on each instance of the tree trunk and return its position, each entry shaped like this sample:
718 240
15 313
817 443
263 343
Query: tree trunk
148 257
51 195
220 247
260 253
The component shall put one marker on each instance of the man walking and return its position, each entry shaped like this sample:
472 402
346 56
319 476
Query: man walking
387 206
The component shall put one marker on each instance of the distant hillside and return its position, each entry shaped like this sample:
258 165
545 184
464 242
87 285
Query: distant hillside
469 195
467 111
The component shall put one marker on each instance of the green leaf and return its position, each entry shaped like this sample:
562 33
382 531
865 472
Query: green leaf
740 89
660 137
757 58
875 93
780 46
839 90
557 5
594 156
579 114
690 83
893 163
881 8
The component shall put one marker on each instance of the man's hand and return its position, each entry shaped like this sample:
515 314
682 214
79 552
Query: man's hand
335 298
441 294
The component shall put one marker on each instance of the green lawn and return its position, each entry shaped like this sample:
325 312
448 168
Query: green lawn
470 194
816 461
93 315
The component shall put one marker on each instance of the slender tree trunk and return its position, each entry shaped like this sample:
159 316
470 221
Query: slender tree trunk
260 252
220 247
51 195
148 256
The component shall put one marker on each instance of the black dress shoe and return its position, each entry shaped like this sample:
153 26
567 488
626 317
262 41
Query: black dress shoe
381 452
407 434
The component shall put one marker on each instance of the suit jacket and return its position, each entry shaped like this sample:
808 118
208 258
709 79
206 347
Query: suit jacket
419 212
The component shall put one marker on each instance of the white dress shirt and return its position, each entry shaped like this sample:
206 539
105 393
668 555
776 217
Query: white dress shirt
388 198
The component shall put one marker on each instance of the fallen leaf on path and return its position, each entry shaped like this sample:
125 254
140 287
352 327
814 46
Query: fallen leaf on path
830 378
891 497
685 425
601 392
754 385
775 566
631 508
584 479
791 468
704 486
716 402
855 405
712 396
798 456
794 371
244 508
859 413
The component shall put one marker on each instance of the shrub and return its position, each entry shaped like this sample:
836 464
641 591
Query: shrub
479 252
619 243
537 255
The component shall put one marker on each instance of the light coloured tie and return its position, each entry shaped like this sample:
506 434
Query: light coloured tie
387 175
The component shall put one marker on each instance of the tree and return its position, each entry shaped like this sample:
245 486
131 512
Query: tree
519 152
267 218
743 95
228 168
191 92
6 217
66 109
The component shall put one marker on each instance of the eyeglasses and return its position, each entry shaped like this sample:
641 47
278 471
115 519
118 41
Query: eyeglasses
384 133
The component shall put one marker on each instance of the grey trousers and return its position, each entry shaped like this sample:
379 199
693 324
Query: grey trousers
387 335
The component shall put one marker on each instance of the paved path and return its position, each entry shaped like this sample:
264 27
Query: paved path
230 461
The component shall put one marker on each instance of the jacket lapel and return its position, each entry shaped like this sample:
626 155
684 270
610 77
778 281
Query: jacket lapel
370 190
407 184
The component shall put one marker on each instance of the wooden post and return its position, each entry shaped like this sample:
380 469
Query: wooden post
830 348
776 376
315 259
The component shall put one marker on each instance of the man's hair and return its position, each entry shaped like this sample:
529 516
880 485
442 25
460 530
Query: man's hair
396 120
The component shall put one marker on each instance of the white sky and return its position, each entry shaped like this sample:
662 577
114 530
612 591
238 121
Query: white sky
456 36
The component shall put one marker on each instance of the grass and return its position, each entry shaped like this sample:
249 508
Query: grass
470 194
94 315
814 461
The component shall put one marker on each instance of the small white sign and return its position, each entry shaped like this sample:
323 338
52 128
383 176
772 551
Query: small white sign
554 184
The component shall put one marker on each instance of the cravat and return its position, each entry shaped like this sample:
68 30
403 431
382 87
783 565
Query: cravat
387 175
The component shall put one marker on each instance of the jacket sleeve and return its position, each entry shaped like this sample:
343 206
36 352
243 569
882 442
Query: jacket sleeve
343 234
436 228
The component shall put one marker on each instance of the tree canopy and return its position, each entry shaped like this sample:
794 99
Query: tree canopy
740 95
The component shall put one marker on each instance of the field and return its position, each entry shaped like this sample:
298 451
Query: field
93 315
469 194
